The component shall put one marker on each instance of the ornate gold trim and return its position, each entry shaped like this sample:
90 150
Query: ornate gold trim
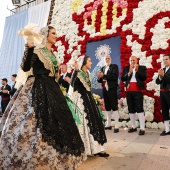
44 58
85 84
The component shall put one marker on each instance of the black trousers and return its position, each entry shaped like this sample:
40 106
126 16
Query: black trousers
165 104
110 99
134 101
4 104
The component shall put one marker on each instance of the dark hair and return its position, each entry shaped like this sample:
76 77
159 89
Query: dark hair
167 55
85 61
14 75
49 28
4 79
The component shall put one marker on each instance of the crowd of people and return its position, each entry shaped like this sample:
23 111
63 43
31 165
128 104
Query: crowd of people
41 130
6 92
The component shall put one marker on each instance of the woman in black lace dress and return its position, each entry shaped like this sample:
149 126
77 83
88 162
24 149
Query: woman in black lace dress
40 132
91 128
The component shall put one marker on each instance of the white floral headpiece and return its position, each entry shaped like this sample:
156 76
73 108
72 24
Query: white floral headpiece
73 60
44 32
80 61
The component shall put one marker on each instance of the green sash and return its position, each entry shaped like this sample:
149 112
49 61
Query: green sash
53 60
88 82
74 109
85 77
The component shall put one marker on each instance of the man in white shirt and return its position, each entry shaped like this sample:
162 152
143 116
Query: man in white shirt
108 76
164 81
134 76
13 89
65 77
5 96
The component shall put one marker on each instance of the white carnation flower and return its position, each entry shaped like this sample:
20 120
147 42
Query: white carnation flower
123 123
148 124
125 110
129 124
126 116
154 125
149 116
113 123
161 125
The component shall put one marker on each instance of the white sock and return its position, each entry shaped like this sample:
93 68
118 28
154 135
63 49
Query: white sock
116 118
133 119
166 123
141 117
108 118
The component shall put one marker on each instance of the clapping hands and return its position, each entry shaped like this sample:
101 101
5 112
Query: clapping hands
161 73
133 66
68 79
100 75
5 91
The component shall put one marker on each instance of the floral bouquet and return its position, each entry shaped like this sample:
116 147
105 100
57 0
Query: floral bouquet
64 90
100 104
96 98
99 101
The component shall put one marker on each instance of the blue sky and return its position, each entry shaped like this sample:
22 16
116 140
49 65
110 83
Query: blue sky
3 14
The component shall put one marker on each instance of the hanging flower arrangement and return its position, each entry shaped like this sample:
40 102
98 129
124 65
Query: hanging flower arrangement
143 25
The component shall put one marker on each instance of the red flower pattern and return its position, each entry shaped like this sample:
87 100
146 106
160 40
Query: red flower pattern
125 50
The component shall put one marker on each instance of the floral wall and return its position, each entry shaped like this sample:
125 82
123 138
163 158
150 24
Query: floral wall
143 25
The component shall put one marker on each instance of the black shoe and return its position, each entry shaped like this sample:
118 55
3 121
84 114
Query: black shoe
141 132
102 154
116 130
131 130
164 133
108 128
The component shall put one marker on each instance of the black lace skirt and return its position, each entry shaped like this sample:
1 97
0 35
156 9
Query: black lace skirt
54 117
93 116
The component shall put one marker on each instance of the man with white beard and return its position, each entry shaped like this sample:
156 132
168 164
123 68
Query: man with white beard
108 76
